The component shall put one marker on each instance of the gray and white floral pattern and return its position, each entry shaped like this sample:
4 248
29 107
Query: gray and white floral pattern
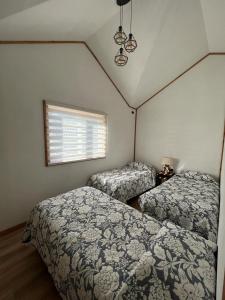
89 241
96 247
180 264
125 183
189 199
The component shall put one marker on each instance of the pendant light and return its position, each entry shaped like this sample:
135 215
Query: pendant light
131 44
121 58
120 37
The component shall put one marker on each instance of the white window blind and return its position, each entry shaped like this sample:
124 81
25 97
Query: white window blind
73 135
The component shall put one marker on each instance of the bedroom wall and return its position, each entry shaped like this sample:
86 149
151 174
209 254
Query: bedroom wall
63 73
186 120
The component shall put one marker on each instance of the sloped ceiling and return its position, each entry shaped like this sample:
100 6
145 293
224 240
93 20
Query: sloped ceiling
214 17
10 7
56 19
171 35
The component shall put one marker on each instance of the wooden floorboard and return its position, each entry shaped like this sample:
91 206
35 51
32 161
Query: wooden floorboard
134 203
23 275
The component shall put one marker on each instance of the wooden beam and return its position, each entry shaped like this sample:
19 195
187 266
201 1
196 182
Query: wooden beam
33 42
40 42
171 82
135 133
175 79
95 57
97 60
222 157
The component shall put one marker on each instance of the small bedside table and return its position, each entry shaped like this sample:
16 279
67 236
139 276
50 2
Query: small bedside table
161 177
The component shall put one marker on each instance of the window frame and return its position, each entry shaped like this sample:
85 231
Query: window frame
46 144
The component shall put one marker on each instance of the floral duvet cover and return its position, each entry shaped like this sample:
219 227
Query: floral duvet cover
189 199
125 183
96 247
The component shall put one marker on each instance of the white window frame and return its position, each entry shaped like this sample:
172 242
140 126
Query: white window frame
46 132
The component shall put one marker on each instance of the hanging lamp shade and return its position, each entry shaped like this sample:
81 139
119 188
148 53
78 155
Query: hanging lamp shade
131 44
121 58
122 2
120 37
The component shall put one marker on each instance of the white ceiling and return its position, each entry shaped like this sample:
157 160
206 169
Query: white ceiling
55 19
214 17
171 35
11 7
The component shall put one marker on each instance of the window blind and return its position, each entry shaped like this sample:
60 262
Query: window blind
73 135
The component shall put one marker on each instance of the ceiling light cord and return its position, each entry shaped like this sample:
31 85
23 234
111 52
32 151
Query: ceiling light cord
126 43
131 15
122 16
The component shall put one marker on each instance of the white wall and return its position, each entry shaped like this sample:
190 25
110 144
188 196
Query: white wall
186 120
63 73
221 235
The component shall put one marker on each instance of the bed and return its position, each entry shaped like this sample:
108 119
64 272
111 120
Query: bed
96 247
189 199
125 183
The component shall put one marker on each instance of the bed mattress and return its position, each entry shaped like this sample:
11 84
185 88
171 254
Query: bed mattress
96 247
125 183
189 199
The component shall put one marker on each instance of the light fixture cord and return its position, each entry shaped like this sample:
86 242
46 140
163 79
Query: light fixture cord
122 17
131 15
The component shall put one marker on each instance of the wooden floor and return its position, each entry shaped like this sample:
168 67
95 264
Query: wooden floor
134 203
23 275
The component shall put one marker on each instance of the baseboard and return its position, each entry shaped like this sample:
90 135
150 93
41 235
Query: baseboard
12 229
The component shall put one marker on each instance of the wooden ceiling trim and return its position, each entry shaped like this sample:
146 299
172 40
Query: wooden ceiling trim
103 69
175 79
135 133
222 157
41 42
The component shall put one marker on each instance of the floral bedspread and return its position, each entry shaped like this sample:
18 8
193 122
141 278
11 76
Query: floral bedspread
125 183
189 199
96 247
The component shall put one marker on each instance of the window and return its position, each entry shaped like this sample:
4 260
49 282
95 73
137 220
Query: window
72 134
